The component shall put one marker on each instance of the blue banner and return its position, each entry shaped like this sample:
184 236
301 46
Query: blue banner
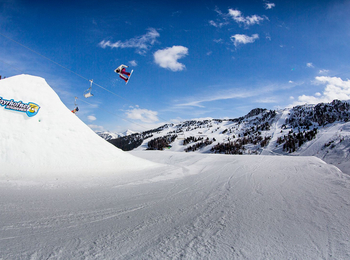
30 108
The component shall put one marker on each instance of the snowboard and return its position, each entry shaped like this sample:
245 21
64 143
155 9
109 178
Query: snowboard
129 76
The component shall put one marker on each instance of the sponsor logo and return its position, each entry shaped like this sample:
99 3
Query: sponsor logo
30 108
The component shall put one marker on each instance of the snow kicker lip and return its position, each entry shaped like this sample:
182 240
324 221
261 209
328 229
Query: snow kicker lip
30 108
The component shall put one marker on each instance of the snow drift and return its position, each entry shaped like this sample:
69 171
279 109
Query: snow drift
54 141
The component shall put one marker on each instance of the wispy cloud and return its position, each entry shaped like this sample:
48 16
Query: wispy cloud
320 71
168 58
96 127
263 94
91 118
145 115
218 40
223 19
336 88
141 43
217 96
268 37
237 16
323 71
133 63
238 39
269 6
217 24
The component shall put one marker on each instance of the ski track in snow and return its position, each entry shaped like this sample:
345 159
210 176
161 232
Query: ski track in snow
219 207
278 124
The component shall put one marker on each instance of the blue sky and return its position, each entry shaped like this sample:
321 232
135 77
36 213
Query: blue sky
191 59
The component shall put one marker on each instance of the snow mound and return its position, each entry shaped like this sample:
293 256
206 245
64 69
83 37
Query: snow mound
53 142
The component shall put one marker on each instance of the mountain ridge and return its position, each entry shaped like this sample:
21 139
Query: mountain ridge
289 131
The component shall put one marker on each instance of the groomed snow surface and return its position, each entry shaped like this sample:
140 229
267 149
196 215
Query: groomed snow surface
160 205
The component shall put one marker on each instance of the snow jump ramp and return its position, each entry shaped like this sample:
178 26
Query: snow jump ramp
48 139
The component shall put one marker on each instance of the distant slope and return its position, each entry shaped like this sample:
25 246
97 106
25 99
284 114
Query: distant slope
320 130
109 135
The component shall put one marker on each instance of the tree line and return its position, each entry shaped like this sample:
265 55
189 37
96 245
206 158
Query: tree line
199 145
237 146
293 141
160 143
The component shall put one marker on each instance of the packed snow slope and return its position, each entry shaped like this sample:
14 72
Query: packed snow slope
54 142
216 207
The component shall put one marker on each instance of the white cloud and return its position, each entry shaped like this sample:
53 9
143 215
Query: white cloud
237 16
269 6
217 10
168 58
133 63
91 118
310 65
323 71
140 43
336 88
145 115
243 39
217 24
96 127
215 95
218 40
211 22
221 95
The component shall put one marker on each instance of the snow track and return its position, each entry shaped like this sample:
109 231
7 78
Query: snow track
198 207
277 126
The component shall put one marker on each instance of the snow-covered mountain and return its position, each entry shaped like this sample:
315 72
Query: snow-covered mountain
129 132
321 130
110 135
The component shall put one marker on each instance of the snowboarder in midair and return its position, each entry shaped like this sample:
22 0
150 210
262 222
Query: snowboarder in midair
75 110
122 72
